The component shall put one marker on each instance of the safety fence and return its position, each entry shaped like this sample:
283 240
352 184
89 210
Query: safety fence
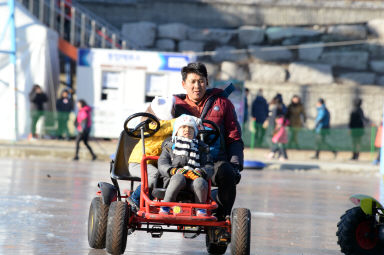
338 139
50 124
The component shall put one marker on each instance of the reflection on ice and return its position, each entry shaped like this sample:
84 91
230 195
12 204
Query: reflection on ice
292 212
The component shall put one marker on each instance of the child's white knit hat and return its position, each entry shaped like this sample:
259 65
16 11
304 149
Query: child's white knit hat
186 120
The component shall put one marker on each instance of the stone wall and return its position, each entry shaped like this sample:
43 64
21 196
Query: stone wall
338 62
230 14
342 54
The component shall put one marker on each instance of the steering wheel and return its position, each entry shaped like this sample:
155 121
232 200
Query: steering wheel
136 131
209 136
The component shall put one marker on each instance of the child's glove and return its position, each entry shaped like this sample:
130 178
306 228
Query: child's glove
191 175
199 172
194 174
178 171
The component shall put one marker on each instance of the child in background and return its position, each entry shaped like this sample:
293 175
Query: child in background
280 138
378 143
83 125
186 161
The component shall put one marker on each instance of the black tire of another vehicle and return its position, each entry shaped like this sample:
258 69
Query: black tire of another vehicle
97 223
355 234
117 227
240 231
212 247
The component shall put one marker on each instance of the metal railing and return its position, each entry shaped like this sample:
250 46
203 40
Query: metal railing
76 24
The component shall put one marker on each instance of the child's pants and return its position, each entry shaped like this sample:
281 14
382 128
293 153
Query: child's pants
280 147
199 187
153 173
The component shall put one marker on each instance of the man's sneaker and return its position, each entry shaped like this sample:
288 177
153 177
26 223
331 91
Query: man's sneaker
134 204
201 212
164 210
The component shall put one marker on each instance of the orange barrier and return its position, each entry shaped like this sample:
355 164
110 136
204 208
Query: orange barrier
68 49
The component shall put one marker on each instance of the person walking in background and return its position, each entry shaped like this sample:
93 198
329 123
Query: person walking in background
246 93
280 139
279 99
322 126
83 126
296 116
64 106
37 98
276 108
356 124
379 133
259 115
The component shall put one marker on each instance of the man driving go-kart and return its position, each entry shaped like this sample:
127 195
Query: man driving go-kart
212 104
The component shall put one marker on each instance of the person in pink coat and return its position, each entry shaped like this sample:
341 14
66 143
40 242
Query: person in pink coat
379 133
83 125
280 139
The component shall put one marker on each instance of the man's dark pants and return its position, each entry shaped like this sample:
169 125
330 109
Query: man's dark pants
225 179
321 142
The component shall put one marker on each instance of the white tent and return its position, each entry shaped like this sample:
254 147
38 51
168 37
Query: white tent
37 63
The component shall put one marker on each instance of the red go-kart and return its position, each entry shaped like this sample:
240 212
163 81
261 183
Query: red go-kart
112 218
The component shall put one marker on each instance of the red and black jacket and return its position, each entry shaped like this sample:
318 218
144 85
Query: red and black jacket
222 112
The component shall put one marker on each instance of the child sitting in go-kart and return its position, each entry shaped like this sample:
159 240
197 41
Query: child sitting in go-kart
186 161
162 108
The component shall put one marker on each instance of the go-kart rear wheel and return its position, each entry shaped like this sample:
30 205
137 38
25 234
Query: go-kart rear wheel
357 235
240 231
97 223
117 228
212 247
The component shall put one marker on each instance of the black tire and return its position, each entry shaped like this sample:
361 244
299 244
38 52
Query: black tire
240 231
212 247
355 234
117 228
97 223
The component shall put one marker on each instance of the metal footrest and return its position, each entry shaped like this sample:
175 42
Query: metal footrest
191 232
156 231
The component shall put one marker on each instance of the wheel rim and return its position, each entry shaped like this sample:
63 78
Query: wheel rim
92 222
366 237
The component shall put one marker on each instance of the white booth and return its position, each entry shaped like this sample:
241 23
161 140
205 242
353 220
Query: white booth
118 83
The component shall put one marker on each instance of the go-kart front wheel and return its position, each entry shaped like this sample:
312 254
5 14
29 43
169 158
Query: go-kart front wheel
117 228
97 223
240 231
357 234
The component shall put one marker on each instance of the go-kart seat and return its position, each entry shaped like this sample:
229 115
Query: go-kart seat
119 165
184 195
